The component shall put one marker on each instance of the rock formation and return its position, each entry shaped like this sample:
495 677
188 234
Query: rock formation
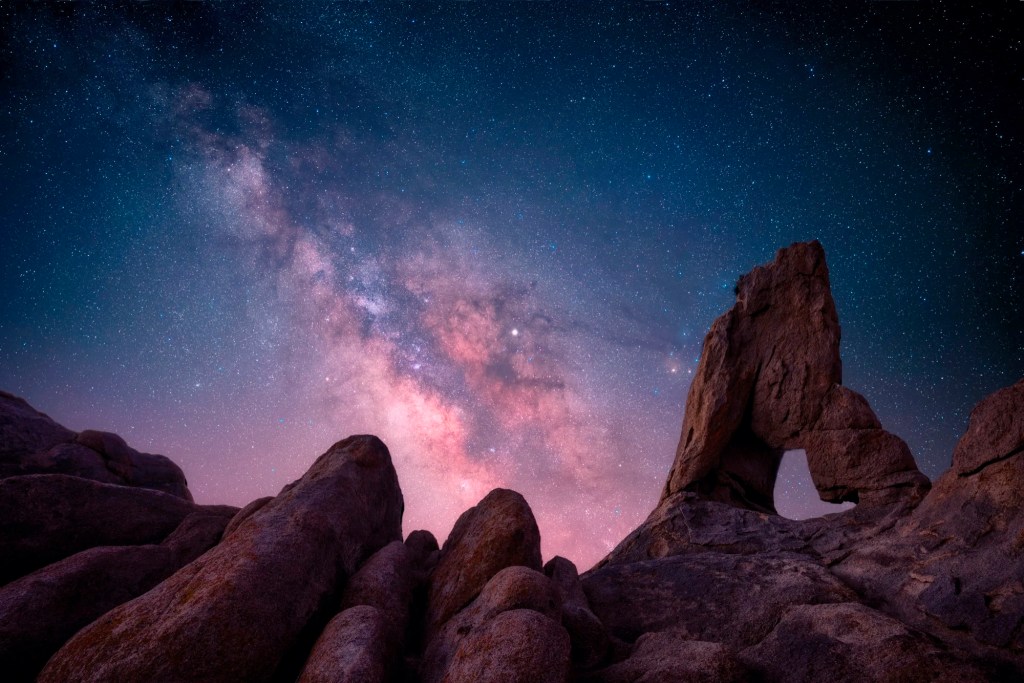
113 573
32 443
770 380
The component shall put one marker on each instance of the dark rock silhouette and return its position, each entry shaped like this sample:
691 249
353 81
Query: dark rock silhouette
32 443
118 581
47 517
234 613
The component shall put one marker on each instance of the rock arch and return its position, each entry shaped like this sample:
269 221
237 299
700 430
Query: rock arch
770 380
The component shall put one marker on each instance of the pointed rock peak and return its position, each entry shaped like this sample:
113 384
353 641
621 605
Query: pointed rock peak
994 432
500 531
769 379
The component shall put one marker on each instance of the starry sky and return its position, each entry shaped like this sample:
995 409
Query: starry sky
494 234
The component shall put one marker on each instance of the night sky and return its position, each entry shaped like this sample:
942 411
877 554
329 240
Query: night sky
494 234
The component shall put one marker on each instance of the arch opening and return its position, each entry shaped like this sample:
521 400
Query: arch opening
795 495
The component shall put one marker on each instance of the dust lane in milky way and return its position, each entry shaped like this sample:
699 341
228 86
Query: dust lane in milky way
494 236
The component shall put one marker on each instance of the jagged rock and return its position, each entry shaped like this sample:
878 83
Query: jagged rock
731 599
587 634
995 431
386 582
39 612
768 377
32 443
245 513
849 642
234 613
512 588
517 646
499 532
47 517
670 656
354 648
953 566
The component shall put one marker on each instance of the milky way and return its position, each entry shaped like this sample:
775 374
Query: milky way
493 236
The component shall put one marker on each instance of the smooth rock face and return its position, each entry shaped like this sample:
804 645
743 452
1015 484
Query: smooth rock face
517 646
234 613
353 648
770 375
41 611
47 517
32 443
499 532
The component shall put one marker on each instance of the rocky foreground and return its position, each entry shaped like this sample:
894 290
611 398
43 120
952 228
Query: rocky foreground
110 572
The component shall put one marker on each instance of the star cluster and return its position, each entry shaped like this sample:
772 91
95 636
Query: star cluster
493 235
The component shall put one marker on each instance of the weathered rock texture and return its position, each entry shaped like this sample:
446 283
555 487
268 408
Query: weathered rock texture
32 443
41 611
316 585
233 614
499 532
769 379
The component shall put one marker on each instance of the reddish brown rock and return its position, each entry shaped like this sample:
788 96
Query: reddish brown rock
39 612
246 512
769 375
710 596
47 517
517 646
513 588
385 581
953 566
995 431
354 648
234 613
499 532
32 443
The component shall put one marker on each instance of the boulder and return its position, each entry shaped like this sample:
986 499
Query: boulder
353 648
500 531
587 634
246 512
236 612
32 443
995 431
513 588
386 582
41 611
517 646
47 517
